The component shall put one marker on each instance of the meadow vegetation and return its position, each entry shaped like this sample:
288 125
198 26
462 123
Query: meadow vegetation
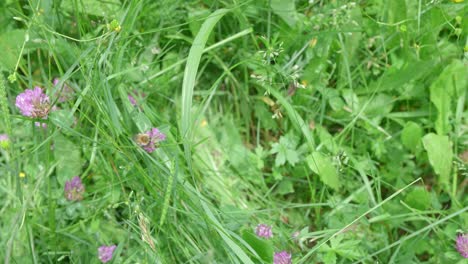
233 131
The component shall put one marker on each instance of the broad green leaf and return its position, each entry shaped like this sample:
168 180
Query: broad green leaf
68 158
286 9
418 198
326 139
196 17
10 45
411 135
323 166
439 151
263 247
61 118
285 187
451 84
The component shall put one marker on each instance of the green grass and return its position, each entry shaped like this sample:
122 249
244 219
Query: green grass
340 124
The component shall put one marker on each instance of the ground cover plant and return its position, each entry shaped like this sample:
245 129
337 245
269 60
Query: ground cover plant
270 131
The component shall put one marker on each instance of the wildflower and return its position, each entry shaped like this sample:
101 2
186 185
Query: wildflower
64 94
22 174
114 26
282 257
74 189
462 245
132 99
39 124
264 231
4 141
105 253
150 140
33 103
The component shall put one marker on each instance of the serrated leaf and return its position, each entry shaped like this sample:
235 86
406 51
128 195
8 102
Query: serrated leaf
263 247
439 152
68 158
285 150
323 166
411 136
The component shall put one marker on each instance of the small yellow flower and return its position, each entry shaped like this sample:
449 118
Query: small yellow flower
458 1
114 26
203 123
22 175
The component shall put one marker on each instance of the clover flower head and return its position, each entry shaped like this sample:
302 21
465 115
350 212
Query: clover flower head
462 245
150 139
264 231
33 103
282 257
105 253
74 189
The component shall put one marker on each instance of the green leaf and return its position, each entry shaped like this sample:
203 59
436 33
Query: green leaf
450 84
61 118
191 70
285 187
68 158
411 136
418 198
286 9
329 257
263 247
439 151
326 139
323 166
141 121
10 45
285 150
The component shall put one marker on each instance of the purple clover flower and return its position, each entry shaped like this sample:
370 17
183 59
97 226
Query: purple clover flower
132 95
64 94
150 139
33 103
132 100
264 231
105 253
462 245
282 257
4 137
74 189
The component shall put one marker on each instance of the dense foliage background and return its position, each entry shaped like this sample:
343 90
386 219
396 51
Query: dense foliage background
343 125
